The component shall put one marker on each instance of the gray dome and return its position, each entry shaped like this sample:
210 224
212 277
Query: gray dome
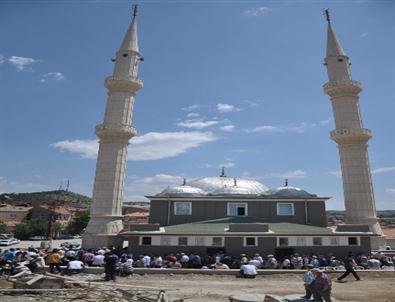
182 190
232 190
223 185
289 191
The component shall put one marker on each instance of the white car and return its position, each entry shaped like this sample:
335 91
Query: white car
9 241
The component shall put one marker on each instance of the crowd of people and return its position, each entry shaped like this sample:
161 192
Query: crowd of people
122 262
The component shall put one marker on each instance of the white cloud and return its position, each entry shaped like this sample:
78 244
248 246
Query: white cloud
390 190
191 107
8 186
1 59
257 11
290 174
193 114
227 165
150 146
52 76
224 108
160 179
383 170
194 124
364 35
227 128
325 122
335 173
254 103
301 128
150 185
85 148
20 62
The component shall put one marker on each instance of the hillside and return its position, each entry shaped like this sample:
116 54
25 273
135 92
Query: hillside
61 197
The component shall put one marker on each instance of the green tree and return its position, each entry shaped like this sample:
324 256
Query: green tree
36 227
22 231
3 227
79 222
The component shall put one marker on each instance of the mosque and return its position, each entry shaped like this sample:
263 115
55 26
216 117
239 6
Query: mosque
232 214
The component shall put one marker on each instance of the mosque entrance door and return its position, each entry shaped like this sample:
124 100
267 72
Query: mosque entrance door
284 252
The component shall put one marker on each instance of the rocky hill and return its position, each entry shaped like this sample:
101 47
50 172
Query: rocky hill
61 197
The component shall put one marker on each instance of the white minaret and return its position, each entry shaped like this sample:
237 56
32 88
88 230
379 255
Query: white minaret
114 135
350 136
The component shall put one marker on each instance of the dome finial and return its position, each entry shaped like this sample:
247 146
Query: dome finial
184 181
222 172
286 182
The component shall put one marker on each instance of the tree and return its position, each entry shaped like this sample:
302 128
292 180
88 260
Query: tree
79 222
22 231
36 227
3 227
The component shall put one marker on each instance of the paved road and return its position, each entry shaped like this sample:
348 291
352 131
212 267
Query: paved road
37 243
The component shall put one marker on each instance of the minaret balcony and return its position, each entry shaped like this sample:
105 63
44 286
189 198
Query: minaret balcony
115 131
342 87
351 135
123 82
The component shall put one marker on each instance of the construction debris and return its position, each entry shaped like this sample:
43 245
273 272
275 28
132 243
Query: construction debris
50 287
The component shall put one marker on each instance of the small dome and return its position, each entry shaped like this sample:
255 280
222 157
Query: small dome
289 191
226 185
181 190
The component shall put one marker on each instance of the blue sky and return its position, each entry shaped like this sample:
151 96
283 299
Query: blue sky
235 84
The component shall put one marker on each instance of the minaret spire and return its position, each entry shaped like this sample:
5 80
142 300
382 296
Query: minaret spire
333 45
114 135
130 42
350 136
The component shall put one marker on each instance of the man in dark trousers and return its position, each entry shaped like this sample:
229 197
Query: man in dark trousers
110 266
349 264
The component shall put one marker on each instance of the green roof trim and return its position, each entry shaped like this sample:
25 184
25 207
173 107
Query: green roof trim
218 227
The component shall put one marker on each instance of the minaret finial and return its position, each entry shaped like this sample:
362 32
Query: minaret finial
235 182
184 181
135 8
327 15
223 172
286 182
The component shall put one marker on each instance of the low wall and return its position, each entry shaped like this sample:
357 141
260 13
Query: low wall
230 272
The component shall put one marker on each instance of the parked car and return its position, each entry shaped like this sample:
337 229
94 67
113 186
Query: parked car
38 238
9 241
65 236
77 237
70 245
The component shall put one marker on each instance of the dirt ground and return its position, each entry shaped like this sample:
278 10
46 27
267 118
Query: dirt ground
374 287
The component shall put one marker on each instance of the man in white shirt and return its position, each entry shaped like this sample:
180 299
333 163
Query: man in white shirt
98 260
147 260
248 271
75 267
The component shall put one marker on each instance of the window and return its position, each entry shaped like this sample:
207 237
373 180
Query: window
352 241
217 241
317 241
183 241
300 241
334 241
250 241
237 209
285 209
283 241
200 241
165 241
183 208
146 240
